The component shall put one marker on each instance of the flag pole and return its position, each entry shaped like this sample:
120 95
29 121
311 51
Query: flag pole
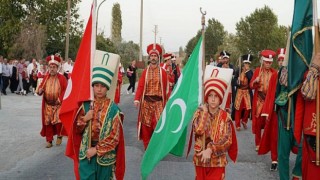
317 50
203 23
285 63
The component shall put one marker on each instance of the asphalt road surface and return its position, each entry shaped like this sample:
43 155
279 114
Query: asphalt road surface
23 154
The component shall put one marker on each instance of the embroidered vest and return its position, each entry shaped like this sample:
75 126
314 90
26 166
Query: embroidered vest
110 157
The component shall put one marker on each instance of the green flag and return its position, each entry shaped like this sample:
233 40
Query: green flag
300 51
170 132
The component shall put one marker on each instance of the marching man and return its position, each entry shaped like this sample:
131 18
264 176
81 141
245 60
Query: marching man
264 82
151 95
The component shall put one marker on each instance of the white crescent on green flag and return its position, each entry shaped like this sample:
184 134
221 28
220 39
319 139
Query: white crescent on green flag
171 130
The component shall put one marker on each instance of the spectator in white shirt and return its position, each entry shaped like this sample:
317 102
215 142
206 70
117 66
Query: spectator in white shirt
5 76
67 67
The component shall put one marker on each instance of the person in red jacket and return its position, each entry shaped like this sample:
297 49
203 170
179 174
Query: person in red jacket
118 88
52 88
151 95
306 121
269 140
168 67
263 83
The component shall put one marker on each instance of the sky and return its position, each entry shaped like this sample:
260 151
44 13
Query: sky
179 20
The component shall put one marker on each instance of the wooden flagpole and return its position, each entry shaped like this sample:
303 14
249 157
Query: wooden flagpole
203 23
317 50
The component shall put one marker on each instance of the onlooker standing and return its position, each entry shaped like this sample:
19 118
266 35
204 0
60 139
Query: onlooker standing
1 59
6 73
40 76
14 76
213 62
67 67
32 74
20 68
131 74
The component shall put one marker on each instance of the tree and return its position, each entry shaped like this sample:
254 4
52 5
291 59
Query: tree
229 45
128 51
105 44
214 37
49 15
260 31
116 24
181 52
10 18
30 43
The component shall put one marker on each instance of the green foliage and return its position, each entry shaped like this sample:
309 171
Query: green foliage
50 16
116 24
260 31
214 37
128 51
229 45
105 44
11 15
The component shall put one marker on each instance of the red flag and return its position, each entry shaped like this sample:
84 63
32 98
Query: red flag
79 87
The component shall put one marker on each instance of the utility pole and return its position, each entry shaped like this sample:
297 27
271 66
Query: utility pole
155 33
141 26
98 16
67 31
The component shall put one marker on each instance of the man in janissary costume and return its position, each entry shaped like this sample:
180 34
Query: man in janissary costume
151 95
52 88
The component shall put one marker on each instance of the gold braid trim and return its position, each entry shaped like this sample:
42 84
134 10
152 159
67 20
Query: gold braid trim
300 54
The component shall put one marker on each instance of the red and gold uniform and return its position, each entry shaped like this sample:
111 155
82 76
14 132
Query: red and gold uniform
54 88
269 139
265 87
305 124
242 102
168 67
214 132
152 95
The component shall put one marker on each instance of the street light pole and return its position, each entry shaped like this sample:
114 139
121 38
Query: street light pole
141 26
98 16
67 31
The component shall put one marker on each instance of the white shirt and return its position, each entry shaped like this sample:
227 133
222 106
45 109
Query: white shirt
67 67
6 70
30 68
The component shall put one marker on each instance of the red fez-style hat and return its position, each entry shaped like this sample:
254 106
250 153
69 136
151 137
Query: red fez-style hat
167 56
281 53
154 49
53 60
267 55
218 85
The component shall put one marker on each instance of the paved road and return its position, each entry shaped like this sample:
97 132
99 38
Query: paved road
23 154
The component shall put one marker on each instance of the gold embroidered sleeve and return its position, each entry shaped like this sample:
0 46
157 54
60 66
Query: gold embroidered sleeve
199 122
80 123
111 141
309 87
224 143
